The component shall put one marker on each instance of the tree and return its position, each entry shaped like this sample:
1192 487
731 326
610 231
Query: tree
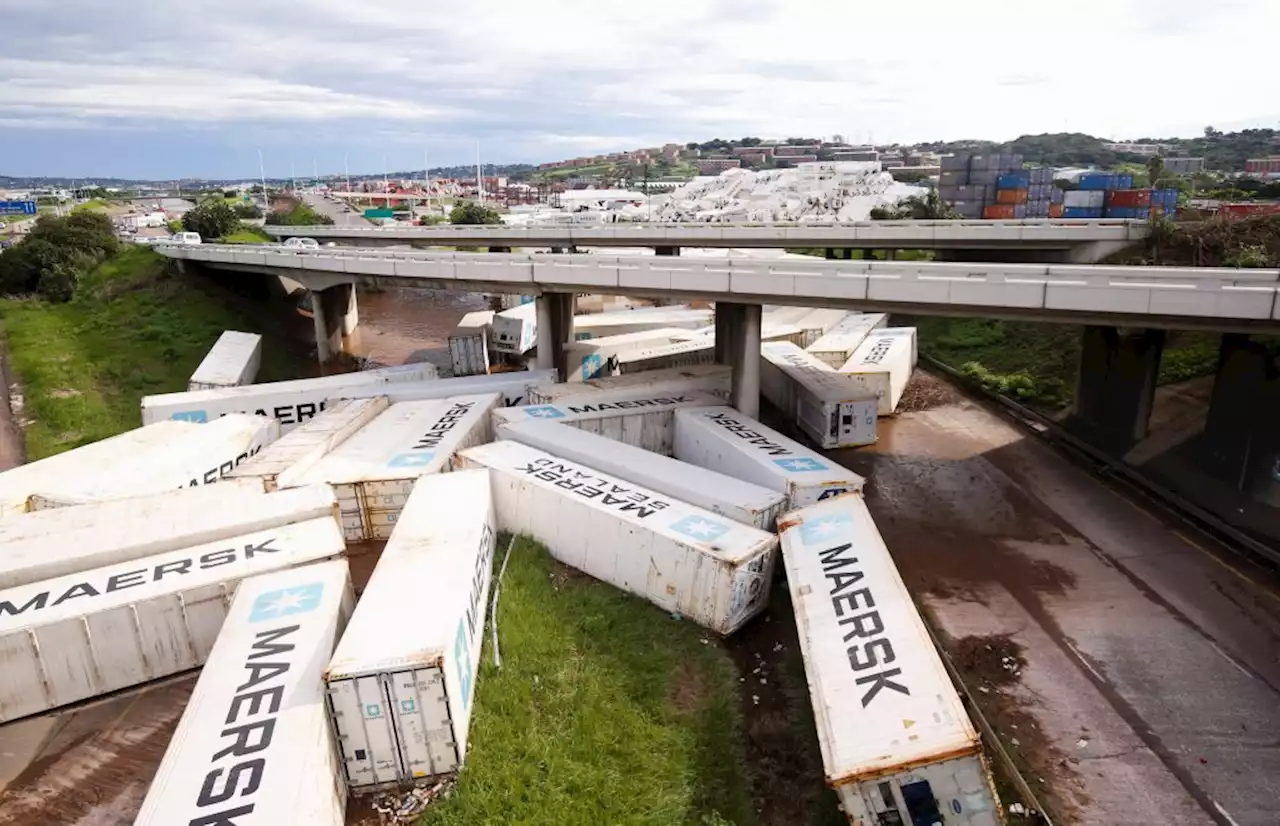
1155 169
470 212
56 254
246 209
929 207
212 219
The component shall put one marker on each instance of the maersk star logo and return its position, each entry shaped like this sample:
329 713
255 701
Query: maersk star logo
590 366
799 464
286 602
825 528
197 416
544 411
701 529
419 459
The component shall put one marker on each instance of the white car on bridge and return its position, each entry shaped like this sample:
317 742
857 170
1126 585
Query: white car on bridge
302 243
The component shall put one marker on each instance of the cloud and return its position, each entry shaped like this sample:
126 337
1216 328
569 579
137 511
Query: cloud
537 81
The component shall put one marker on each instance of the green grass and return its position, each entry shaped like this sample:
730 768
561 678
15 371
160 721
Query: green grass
605 710
247 235
97 204
132 330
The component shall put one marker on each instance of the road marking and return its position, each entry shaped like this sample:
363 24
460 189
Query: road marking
1231 660
1085 662
1223 812
1262 589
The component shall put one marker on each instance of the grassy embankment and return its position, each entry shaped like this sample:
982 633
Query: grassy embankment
133 329
247 234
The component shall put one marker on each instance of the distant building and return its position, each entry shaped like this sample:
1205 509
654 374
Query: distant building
1184 166
837 138
794 150
1263 167
792 160
1149 149
714 166
856 155
753 158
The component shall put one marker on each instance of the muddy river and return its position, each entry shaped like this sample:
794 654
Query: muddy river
402 326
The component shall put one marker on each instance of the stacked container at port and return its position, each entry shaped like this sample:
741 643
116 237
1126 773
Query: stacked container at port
1164 202
1096 199
1023 193
996 186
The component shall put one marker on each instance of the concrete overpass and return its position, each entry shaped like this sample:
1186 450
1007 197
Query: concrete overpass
1125 311
1078 241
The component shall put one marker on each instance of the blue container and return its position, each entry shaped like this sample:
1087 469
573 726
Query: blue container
1082 212
1123 182
1122 212
1014 180
1165 198
1096 181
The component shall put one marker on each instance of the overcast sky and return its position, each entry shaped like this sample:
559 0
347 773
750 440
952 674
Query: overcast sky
150 89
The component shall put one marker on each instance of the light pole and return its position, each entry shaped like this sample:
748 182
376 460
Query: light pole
262 171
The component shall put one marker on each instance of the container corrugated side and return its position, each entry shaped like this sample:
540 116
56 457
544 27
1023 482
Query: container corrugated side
838 344
677 354
731 498
883 365
645 422
681 558
254 744
828 406
232 361
598 325
39 502
81 635
292 402
515 330
591 358
469 344
883 702
52 543
513 387
711 378
373 472
302 447
724 440
401 683
818 322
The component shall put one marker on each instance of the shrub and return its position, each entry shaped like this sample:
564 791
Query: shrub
246 209
212 219
470 212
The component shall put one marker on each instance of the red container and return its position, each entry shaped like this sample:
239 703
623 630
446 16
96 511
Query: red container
1246 210
1055 210
1000 212
1011 196
1135 198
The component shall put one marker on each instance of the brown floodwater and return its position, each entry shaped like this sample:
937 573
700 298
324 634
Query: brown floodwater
405 326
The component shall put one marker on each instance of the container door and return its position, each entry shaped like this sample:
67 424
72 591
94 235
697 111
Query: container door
366 734
423 726
853 428
922 807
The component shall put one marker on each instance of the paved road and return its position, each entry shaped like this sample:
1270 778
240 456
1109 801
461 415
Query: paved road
335 211
1151 690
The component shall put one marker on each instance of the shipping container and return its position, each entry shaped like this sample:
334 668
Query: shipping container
986 177
513 387
999 212
469 344
594 357
292 402
828 406
667 356
954 177
401 684
681 558
1014 180
621 322
724 440
731 498
516 330
968 209
254 744
1011 196
1055 210
373 472
710 378
955 162
896 743
1081 212
883 365
641 421
1129 198
1056 195
51 543
160 458
81 635
1085 198
233 361
302 447
835 348
818 322
1127 212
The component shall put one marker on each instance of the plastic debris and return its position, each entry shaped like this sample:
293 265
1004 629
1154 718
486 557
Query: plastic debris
405 807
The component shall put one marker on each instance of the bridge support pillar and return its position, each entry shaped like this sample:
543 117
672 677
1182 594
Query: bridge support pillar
555 327
499 249
728 321
744 350
334 315
1116 385
666 250
1241 441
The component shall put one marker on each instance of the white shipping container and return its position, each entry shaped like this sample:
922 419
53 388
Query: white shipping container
894 736
292 402
820 321
53 543
253 745
302 447
469 344
401 683
667 356
232 361
710 378
49 501
595 357
681 558
373 472
516 330
883 365
642 421
1094 198
724 495
833 410
157 460
599 325
724 440
81 635
514 387
838 344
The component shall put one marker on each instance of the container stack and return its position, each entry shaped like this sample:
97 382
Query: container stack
1106 195
996 187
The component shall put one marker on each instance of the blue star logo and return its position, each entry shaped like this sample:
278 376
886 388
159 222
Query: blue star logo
825 528
286 602
700 528
799 464
591 366
408 707
544 411
421 459
197 416
372 711
462 661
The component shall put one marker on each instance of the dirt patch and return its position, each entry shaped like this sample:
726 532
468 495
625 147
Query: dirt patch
994 660
362 558
13 450
925 391
65 394
562 576
688 688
